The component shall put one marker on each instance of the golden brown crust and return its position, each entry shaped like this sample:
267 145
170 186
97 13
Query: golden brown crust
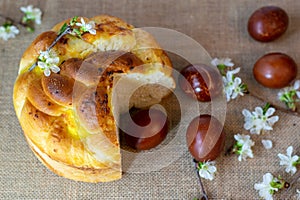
41 43
59 88
41 101
68 118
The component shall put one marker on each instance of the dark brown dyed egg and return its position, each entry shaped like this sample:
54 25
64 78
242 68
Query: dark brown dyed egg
268 23
150 129
205 138
275 70
201 82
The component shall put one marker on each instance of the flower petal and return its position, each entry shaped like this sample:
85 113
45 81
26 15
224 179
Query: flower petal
267 178
270 112
42 65
237 137
248 125
212 169
297 85
82 21
55 68
267 127
205 174
234 95
289 151
240 158
92 31
47 72
259 111
273 120
246 113
298 94
267 144
237 81
215 62
295 158
255 131
258 186
283 159
235 71
228 63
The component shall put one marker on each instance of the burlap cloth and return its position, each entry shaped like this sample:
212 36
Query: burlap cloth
220 26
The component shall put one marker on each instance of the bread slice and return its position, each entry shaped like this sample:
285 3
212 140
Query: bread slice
70 118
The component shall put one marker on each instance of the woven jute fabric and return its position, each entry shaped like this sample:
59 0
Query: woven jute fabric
221 28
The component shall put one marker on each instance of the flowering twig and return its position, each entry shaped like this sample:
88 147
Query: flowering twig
31 16
270 185
203 195
233 85
242 147
290 95
289 161
260 119
74 28
288 111
222 64
66 31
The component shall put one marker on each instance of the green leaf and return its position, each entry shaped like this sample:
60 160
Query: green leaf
63 28
25 19
244 88
7 24
266 107
200 165
30 29
222 68
73 21
76 32
277 184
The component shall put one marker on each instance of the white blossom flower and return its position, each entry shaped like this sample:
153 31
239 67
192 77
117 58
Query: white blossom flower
290 95
237 88
48 61
298 194
32 13
293 88
289 161
87 27
222 61
268 144
243 146
207 169
8 31
265 188
233 86
258 120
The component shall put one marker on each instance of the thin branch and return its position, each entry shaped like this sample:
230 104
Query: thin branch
68 30
12 21
7 18
203 195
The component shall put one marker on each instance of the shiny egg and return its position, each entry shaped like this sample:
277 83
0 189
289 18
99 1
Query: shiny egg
268 23
275 70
